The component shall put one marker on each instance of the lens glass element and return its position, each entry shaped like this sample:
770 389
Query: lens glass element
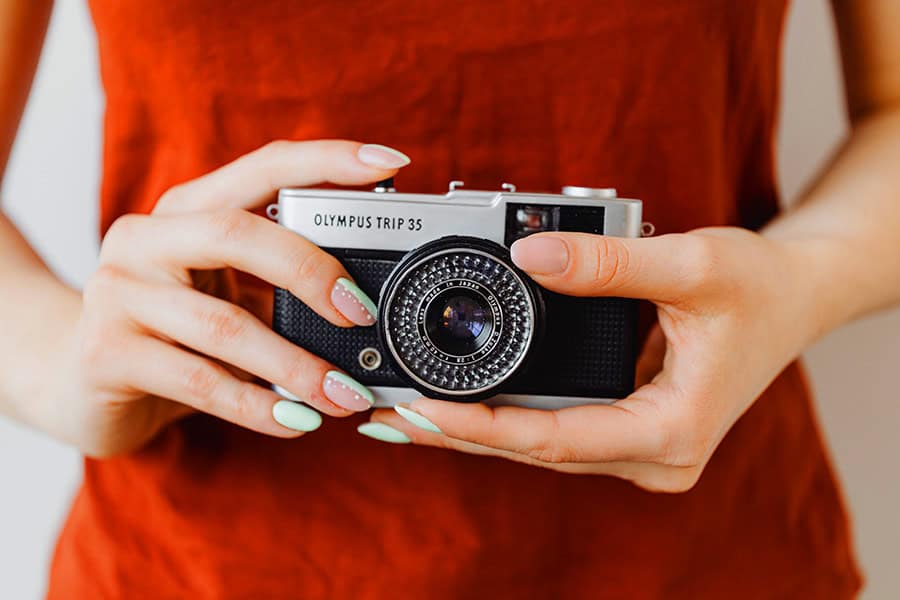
459 320
462 318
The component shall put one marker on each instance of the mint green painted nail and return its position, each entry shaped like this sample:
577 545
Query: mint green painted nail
416 419
352 384
296 416
285 394
383 433
359 295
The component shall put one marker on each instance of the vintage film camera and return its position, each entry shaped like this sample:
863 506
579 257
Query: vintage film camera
456 319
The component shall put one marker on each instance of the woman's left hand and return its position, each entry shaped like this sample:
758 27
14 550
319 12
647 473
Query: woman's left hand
734 309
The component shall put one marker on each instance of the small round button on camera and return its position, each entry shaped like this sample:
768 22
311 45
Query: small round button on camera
369 359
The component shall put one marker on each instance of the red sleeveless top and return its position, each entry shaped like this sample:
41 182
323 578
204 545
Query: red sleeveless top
671 101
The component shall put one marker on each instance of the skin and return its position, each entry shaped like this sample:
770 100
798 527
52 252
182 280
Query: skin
161 330
833 257
144 345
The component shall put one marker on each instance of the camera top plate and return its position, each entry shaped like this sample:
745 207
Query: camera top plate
385 220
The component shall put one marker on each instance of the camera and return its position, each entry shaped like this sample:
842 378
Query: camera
457 320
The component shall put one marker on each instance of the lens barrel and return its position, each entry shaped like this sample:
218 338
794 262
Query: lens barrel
459 319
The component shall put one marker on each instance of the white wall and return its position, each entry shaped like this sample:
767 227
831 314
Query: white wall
55 165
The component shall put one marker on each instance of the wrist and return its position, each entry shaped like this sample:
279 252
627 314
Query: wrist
37 356
823 296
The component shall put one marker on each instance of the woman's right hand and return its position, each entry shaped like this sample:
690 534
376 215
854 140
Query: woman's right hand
150 347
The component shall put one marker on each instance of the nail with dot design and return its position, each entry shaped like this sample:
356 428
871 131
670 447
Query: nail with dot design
353 303
346 392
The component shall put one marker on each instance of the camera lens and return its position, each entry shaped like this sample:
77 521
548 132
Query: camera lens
462 318
458 319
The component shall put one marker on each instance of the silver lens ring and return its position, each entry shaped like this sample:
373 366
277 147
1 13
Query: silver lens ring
481 277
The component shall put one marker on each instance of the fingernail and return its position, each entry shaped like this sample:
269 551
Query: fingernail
345 391
296 416
540 255
353 303
382 157
416 419
383 433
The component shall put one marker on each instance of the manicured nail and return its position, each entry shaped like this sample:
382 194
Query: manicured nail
382 157
383 433
296 416
416 419
353 303
345 391
540 255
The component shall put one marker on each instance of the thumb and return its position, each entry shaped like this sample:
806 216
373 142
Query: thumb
663 269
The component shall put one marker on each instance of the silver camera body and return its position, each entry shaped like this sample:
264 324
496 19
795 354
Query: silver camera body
457 320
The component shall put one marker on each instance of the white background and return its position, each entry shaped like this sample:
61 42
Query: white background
51 190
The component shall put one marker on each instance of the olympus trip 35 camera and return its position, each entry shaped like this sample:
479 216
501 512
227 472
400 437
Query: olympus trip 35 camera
456 319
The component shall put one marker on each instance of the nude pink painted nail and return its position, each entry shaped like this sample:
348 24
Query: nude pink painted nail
345 391
382 157
353 303
540 255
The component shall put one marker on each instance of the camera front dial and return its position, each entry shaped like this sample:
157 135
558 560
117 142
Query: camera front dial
458 319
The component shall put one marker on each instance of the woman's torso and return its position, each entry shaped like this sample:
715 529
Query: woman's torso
669 101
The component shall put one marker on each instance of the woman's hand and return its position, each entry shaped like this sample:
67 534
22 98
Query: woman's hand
150 347
734 309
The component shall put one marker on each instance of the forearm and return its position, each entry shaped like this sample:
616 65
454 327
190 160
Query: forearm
36 313
845 230
34 306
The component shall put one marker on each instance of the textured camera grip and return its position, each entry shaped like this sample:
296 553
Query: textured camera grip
589 348
340 346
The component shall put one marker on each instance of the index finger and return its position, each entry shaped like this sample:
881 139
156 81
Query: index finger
254 178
